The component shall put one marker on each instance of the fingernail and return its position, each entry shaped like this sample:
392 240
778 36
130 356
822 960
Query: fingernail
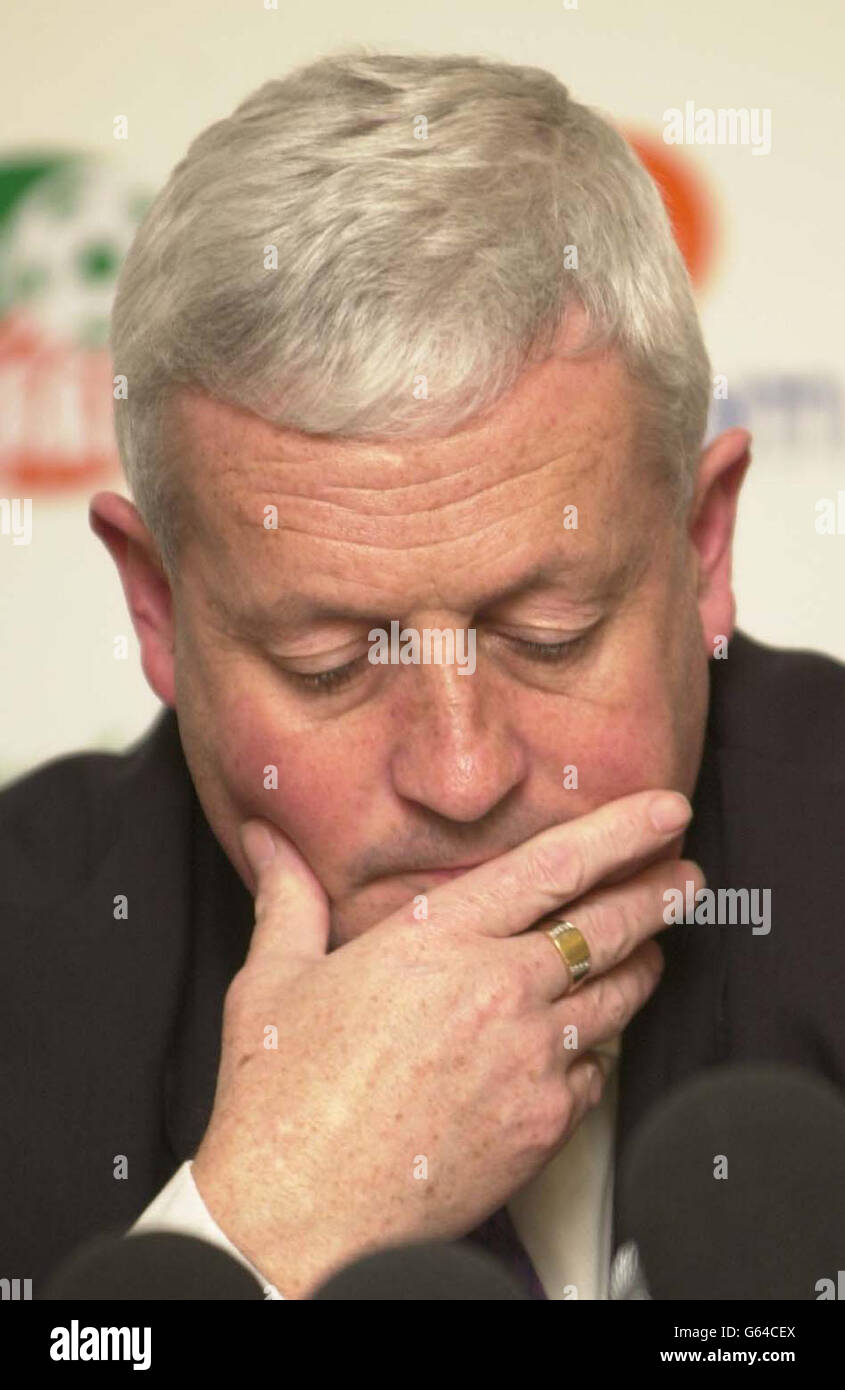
670 811
259 845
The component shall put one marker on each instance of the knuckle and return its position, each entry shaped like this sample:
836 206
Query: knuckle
613 923
524 980
530 1054
594 1087
263 906
568 1108
610 837
562 873
542 868
619 1007
614 1004
493 996
492 898
268 900
634 826
274 896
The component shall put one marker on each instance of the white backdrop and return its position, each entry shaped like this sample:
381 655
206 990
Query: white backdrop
772 308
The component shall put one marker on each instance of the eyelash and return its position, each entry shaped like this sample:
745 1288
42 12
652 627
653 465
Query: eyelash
326 682
549 651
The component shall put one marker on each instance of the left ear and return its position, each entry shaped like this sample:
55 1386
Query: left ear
721 471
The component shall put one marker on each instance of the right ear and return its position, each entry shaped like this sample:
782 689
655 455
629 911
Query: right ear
145 585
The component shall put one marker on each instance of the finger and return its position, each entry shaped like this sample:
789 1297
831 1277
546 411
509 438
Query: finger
602 1008
509 893
291 908
613 922
585 1083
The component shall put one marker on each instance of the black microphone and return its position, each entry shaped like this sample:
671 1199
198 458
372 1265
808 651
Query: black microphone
150 1265
732 1189
423 1271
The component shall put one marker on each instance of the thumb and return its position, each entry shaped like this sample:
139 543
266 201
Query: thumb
291 906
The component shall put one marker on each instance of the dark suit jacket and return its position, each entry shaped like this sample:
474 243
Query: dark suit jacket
110 1028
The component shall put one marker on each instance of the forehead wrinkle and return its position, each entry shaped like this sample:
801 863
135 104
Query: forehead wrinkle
401 550
422 454
469 472
362 529
381 500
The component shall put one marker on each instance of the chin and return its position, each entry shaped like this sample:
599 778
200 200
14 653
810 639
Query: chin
367 909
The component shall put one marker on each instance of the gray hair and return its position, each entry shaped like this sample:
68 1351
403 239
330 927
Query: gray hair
419 207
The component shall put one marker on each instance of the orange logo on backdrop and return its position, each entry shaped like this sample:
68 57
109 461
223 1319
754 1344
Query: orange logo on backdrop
56 432
687 201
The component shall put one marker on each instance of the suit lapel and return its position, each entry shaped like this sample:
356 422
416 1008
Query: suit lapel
682 1028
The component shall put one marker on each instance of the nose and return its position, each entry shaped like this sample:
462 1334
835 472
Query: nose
457 752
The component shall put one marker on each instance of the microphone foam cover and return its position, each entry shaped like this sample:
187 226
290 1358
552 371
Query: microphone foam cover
153 1265
424 1271
732 1186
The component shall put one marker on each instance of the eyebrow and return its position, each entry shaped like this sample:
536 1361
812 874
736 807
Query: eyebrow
292 608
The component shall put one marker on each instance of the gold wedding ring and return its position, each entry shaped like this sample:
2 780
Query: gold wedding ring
573 948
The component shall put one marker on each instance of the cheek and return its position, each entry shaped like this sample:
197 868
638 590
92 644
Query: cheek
303 781
652 738
620 741
636 748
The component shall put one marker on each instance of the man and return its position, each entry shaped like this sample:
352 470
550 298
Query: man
409 348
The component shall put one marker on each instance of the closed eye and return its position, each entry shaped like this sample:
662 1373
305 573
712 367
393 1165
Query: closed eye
549 651
326 682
